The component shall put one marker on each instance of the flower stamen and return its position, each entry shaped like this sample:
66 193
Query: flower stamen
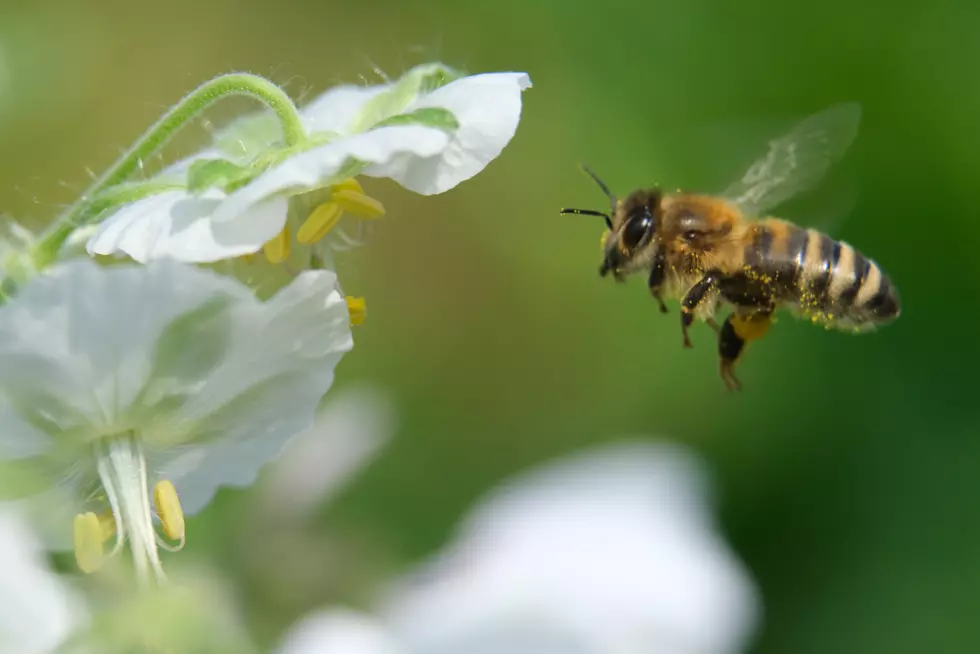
277 250
358 204
168 510
122 472
88 539
321 221
357 309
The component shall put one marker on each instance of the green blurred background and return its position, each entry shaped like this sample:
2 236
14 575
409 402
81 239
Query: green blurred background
846 471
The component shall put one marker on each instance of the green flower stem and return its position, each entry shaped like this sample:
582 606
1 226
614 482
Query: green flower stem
85 208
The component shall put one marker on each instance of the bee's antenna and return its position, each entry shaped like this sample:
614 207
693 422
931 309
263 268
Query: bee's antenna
605 189
588 212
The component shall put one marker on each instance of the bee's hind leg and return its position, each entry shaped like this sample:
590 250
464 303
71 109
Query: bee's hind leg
734 334
729 348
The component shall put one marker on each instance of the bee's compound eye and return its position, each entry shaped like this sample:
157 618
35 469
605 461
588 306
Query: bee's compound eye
636 229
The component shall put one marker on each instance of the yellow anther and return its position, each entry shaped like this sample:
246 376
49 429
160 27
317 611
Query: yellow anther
277 250
321 221
248 258
108 524
168 509
358 204
751 328
357 309
349 184
87 537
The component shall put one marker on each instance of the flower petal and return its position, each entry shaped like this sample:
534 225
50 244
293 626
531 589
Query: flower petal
77 344
396 148
177 225
612 551
264 391
211 380
349 109
488 109
37 608
335 110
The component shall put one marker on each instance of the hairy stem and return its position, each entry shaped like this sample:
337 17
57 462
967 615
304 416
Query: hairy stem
85 209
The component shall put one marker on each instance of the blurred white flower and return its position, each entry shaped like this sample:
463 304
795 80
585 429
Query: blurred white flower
38 610
351 427
612 551
341 631
428 131
112 378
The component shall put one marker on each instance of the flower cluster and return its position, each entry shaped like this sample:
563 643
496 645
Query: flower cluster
130 392
132 389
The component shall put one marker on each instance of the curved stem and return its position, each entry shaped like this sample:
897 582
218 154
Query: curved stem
158 135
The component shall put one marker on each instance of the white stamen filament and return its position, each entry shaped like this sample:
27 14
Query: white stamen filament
122 470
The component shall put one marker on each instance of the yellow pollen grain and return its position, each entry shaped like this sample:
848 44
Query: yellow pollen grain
357 309
277 249
358 204
321 221
87 538
168 509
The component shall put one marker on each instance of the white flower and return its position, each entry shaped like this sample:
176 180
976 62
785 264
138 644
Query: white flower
427 139
38 610
112 378
341 631
608 552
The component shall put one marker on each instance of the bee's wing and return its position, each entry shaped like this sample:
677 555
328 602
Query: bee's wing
796 161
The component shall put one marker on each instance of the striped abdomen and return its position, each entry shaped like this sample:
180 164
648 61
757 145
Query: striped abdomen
827 280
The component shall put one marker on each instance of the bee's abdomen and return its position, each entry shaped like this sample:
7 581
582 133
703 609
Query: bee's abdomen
835 284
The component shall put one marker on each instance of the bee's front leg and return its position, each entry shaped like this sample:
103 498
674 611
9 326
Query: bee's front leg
656 281
695 295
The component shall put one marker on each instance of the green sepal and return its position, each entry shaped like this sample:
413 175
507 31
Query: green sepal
396 99
128 193
210 173
429 117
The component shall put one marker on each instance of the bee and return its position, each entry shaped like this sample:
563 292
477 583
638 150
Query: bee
715 251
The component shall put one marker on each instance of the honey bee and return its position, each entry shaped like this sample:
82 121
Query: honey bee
710 251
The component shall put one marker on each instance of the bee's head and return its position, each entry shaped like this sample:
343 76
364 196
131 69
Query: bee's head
629 244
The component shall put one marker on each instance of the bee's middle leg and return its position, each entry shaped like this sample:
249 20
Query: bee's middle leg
695 295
